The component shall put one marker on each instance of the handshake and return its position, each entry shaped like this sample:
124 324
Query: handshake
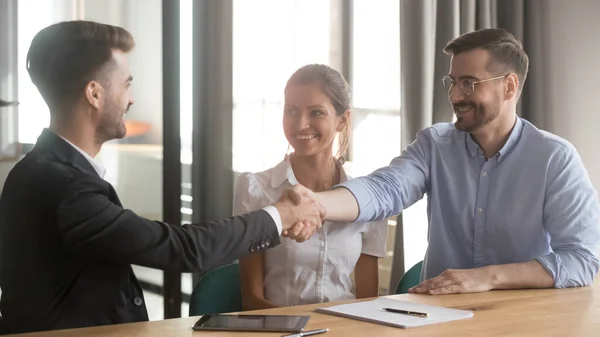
301 213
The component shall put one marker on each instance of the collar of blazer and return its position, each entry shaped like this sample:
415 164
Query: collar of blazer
50 142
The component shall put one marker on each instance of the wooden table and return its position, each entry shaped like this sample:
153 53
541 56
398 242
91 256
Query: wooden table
551 312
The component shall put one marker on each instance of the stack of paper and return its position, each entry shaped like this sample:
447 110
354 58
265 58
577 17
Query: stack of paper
372 311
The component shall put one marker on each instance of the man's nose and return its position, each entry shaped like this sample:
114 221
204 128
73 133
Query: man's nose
456 95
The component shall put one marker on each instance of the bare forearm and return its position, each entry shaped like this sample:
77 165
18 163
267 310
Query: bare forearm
252 269
340 204
368 291
257 303
522 275
366 274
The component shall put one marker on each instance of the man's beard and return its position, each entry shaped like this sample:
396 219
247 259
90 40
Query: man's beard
111 125
484 114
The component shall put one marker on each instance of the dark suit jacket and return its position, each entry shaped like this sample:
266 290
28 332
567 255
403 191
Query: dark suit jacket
66 244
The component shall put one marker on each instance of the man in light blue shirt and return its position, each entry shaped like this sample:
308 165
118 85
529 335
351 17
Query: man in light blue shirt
509 206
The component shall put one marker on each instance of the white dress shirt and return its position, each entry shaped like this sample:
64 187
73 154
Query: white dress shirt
318 270
98 167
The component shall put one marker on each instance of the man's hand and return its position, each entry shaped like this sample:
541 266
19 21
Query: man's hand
456 281
301 214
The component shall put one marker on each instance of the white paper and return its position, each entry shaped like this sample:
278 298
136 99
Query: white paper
372 311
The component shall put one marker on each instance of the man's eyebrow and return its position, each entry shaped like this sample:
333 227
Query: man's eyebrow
465 77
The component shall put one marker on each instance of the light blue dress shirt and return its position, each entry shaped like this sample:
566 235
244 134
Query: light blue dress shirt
533 200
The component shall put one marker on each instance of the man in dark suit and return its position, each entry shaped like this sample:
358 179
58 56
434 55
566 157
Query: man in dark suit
66 242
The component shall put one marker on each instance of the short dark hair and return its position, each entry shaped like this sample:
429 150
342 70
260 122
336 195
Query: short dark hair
334 86
506 51
64 57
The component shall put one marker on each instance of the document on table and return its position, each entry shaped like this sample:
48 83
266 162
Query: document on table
373 311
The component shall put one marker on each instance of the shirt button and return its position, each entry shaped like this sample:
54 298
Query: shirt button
480 210
137 301
485 174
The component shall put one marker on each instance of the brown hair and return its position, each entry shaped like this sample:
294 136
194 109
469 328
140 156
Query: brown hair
334 86
507 54
64 57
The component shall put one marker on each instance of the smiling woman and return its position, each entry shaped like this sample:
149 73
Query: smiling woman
316 111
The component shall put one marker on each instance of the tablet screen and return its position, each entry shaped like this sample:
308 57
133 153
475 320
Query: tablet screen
272 323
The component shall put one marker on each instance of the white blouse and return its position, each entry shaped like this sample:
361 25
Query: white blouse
317 270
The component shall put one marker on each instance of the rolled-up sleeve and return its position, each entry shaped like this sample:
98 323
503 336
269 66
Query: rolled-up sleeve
572 219
391 189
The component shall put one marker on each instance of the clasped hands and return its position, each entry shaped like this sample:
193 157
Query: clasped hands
301 213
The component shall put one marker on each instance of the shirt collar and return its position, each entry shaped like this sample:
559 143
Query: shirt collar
510 144
284 172
98 167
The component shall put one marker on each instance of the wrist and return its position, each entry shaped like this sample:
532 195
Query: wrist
287 218
492 277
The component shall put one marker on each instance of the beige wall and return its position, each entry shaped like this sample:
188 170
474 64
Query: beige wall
574 103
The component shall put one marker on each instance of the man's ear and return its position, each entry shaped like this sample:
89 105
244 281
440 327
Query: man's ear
94 93
511 88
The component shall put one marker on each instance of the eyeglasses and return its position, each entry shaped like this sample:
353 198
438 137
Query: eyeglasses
466 85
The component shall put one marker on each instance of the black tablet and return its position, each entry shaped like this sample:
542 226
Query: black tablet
264 323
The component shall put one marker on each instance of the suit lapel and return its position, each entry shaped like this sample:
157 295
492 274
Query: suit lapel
113 195
49 142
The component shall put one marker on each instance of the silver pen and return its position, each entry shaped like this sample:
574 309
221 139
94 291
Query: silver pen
307 333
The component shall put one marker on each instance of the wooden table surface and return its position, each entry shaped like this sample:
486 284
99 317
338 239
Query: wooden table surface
549 312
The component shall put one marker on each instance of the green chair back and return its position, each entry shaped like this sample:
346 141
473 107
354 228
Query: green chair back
217 292
410 279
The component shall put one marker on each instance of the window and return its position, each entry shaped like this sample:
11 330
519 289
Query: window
376 54
8 82
375 84
34 15
267 49
186 86
376 98
376 117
